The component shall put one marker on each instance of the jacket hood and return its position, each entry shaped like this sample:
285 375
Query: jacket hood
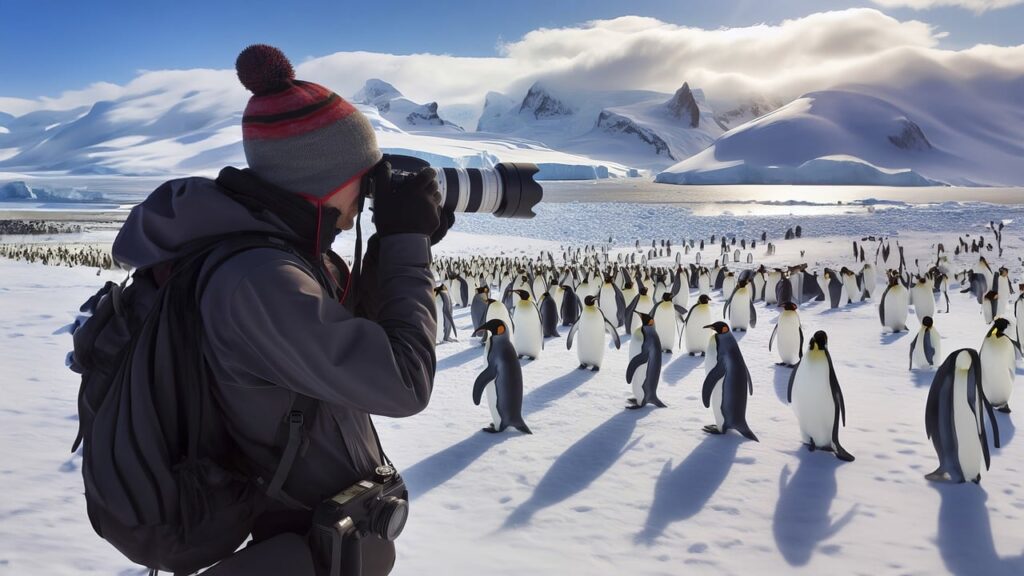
181 212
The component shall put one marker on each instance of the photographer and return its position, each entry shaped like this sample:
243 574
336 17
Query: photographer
283 324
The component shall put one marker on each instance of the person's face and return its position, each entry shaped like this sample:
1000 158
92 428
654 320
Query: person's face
346 201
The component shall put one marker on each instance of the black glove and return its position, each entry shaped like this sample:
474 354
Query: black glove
447 218
411 207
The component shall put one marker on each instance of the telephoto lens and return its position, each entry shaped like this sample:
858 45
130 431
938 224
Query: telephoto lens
508 190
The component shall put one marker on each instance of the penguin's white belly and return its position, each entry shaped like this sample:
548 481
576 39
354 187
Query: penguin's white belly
696 334
716 393
439 314
682 298
789 340
965 424
607 304
759 285
852 291
557 296
528 335
896 309
924 303
492 403
812 400
665 324
591 342
920 360
728 285
497 311
869 282
769 290
704 284
739 311
997 370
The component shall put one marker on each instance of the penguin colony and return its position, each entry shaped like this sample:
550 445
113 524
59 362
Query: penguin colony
60 255
666 309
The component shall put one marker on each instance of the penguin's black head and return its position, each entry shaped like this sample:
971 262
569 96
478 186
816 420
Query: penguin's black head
645 319
789 306
845 271
440 289
494 326
564 287
927 322
628 284
742 283
590 300
820 339
719 327
703 299
483 290
522 294
999 327
643 290
991 295
666 297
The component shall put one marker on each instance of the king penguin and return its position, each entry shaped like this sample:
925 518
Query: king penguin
892 308
739 308
528 338
954 419
998 364
549 316
668 320
817 399
591 327
791 336
445 322
926 347
727 383
695 334
645 348
502 379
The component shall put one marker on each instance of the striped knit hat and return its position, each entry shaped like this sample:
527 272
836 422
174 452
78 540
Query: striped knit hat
298 135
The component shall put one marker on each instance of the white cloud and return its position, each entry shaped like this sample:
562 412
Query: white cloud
782 60
976 6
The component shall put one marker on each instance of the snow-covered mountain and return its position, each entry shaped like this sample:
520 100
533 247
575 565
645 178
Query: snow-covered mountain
936 129
399 110
645 129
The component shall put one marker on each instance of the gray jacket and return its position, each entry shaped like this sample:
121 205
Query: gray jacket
272 329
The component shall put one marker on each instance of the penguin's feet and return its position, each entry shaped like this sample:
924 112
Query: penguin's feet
631 401
703 354
937 476
712 429
490 429
595 368
582 367
634 406
810 446
1005 408
845 456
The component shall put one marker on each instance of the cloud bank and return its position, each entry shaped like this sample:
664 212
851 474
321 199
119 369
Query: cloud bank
780 60
976 6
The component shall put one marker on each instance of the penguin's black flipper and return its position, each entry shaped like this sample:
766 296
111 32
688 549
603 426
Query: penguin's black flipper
753 314
680 313
572 332
712 378
837 392
628 320
485 378
637 361
929 350
801 330
728 304
913 343
881 305
614 332
772 338
745 430
792 378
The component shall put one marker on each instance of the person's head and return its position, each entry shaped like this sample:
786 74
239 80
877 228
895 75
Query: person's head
302 137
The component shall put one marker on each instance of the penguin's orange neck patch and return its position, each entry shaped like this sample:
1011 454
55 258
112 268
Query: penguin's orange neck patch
725 330
499 330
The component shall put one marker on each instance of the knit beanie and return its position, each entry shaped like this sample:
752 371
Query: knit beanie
299 135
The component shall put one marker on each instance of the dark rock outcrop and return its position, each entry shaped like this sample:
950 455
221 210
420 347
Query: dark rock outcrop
683 106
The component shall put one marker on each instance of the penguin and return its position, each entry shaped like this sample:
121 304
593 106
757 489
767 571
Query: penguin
497 311
998 364
642 302
462 291
976 284
924 298
892 308
831 286
668 319
591 327
645 348
445 322
612 301
528 337
954 419
772 281
990 306
817 399
570 306
694 334
985 270
502 379
785 291
869 280
854 293
1003 288
704 282
791 336
926 347
739 308
680 288
727 383
760 282
478 307
549 316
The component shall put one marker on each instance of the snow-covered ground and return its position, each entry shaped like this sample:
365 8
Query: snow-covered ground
598 489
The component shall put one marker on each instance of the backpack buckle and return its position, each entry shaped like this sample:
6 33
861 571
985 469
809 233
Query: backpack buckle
295 417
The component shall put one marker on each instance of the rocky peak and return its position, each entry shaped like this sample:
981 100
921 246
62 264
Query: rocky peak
910 137
542 104
375 92
683 106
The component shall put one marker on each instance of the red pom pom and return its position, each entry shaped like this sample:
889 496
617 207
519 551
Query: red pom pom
263 69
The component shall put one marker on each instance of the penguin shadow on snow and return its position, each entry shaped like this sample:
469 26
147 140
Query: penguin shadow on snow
782 374
923 377
540 397
802 519
438 468
680 367
1006 429
887 338
460 358
965 534
682 492
581 464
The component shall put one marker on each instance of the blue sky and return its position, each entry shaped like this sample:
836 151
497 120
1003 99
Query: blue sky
48 46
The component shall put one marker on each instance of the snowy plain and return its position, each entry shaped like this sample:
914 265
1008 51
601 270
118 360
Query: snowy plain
598 489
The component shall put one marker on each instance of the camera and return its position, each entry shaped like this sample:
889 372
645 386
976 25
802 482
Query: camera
378 506
508 190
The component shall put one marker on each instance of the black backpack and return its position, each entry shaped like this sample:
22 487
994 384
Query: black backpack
164 481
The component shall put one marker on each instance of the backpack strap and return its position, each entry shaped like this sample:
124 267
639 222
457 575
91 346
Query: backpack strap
302 410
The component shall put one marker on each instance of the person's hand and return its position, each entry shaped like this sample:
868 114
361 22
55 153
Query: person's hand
447 221
411 207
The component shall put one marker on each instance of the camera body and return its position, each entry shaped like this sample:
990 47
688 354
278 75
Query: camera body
377 506
507 191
